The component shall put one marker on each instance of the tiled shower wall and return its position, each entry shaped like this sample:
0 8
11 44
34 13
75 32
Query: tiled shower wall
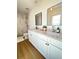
21 24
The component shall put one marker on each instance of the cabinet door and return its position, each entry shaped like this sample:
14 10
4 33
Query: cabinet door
34 39
54 52
43 47
31 38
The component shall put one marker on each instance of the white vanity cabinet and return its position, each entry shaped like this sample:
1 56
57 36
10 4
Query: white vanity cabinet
39 43
54 49
54 52
33 39
48 48
43 48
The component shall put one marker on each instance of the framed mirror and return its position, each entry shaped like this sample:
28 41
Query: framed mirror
38 19
54 15
56 20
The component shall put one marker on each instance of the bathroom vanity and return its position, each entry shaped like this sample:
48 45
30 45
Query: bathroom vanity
49 44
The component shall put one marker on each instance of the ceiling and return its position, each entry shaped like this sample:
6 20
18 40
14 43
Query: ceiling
23 6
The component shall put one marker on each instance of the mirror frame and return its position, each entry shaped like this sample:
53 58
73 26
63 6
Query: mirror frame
37 15
55 14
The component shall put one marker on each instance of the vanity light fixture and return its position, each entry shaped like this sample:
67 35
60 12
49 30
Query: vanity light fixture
51 9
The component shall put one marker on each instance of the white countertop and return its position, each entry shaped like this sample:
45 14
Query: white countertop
57 36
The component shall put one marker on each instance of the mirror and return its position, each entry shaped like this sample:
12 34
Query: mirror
38 19
54 15
56 20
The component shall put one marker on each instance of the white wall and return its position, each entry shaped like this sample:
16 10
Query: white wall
21 24
41 7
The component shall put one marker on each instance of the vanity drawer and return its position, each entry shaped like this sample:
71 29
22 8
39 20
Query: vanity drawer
55 42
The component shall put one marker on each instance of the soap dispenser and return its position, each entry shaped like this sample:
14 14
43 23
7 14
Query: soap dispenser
58 30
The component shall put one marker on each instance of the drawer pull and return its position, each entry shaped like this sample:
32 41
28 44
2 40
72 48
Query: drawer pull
47 44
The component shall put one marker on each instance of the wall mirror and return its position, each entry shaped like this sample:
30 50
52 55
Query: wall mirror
38 19
56 20
54 15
